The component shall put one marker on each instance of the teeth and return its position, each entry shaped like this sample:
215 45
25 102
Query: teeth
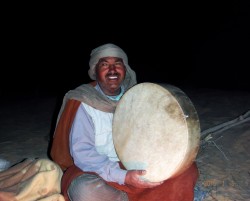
112 77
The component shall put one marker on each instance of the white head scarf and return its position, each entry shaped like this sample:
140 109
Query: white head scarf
111 50
107 50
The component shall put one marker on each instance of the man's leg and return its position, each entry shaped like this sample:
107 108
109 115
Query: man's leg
91 187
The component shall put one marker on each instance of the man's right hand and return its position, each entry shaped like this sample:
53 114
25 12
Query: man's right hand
133 178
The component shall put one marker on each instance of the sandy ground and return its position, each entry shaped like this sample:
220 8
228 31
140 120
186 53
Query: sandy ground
223 160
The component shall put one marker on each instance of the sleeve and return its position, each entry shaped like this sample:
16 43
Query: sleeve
84 153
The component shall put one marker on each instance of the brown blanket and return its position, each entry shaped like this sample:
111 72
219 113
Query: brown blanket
180 188
31 180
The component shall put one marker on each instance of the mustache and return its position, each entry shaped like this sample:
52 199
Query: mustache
112 74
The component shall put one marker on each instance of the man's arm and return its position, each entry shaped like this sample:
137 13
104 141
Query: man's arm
84 153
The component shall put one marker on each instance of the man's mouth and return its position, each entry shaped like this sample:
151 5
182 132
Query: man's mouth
113 77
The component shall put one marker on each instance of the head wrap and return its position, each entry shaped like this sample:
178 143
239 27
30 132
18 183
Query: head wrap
111 50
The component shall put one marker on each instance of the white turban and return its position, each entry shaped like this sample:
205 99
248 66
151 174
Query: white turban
107 50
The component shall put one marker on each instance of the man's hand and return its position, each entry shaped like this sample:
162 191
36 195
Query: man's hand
133 178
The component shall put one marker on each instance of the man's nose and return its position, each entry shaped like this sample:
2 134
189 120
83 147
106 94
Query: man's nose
112 67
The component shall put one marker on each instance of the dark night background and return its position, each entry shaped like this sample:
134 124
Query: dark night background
45 48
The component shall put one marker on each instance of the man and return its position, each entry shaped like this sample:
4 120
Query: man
83 144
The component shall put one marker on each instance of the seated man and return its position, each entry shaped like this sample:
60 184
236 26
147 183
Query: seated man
83 145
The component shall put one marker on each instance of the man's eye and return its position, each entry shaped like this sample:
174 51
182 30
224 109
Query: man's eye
104 64
118 63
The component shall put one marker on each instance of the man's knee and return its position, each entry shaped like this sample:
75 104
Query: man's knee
92 187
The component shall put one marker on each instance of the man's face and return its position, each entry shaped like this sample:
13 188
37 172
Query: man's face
110 73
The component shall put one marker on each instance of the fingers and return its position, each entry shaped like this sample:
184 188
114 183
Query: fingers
142 183
134 178
152 184
141 172
148 184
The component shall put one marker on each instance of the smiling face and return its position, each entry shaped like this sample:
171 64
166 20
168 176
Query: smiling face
110 73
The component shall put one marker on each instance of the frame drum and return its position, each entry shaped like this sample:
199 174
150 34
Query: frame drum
156 128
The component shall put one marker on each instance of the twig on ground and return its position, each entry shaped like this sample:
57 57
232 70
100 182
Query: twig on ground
220 150
226 125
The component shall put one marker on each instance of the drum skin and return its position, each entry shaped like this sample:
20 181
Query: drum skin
156 128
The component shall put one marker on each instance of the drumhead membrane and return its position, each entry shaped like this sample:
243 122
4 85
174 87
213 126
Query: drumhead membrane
156 128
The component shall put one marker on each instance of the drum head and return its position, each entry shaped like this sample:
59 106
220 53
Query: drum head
156 128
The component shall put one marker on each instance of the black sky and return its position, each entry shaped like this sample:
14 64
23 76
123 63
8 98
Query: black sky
197 44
